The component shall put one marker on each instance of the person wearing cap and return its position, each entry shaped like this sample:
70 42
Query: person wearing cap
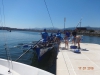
45 37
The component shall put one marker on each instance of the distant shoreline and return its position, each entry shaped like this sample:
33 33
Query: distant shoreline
82 32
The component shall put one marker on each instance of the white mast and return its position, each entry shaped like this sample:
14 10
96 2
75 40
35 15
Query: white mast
80 22
64 22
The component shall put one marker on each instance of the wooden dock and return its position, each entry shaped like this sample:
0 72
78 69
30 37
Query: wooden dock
85 63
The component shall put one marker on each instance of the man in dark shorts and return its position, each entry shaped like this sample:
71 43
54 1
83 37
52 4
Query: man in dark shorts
74 33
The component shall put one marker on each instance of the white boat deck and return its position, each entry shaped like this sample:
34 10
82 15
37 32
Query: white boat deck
4 71
85 63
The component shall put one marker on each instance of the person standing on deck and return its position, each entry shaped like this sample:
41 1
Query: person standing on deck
58 35
67 37
74 33
76 38
44 37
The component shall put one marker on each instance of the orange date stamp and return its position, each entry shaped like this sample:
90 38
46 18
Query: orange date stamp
86 68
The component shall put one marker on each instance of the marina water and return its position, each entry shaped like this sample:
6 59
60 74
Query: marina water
15 40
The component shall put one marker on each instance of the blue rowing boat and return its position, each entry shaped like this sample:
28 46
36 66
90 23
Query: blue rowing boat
42 51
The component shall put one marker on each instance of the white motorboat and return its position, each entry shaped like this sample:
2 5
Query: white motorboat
16 68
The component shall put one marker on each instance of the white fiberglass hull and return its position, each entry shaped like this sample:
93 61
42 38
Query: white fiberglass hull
19 69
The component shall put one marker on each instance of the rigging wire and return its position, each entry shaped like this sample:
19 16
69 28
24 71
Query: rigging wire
79 23
48 13
53 27
1 19
0 16
6 46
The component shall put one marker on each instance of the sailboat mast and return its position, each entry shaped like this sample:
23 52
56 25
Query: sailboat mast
64 22
80 22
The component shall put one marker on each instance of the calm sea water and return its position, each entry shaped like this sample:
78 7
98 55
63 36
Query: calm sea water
14 40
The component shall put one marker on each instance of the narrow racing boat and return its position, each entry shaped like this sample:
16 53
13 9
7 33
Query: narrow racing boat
41 50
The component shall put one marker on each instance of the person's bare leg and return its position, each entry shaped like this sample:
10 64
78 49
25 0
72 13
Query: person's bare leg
78 41
66 44
79 44
74 41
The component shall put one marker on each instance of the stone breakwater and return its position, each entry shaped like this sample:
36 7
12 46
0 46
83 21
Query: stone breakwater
90 33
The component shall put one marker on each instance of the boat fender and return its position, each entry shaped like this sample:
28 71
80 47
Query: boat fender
73 47
77 51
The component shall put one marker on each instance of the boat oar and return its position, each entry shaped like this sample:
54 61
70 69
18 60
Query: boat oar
27 51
